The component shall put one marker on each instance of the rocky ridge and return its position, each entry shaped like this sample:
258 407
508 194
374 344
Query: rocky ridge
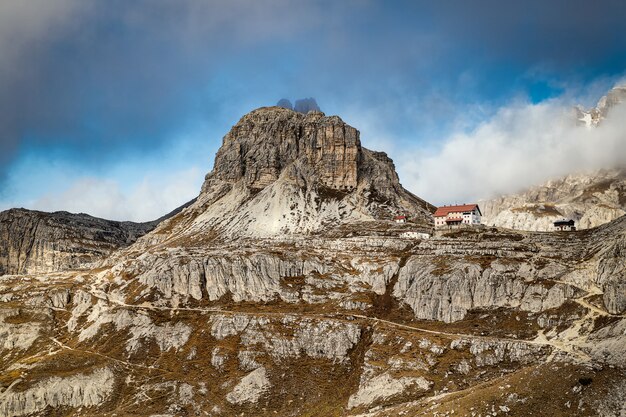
589 199
38 242
594 116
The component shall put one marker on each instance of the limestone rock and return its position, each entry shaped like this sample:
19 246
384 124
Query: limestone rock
327 339
250 388
16 336
448 297
281 172
594 116
264 142
81 390
384 386
306 105
284 103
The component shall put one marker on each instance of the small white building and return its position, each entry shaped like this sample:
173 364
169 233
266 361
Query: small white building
468 214
400 219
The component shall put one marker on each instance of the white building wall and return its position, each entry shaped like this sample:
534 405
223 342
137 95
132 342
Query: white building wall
471 218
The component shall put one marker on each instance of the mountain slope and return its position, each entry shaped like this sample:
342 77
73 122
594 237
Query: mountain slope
35 241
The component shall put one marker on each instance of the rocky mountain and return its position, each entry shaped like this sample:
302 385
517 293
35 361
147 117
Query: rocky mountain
303 105
589 198
280 172
286 289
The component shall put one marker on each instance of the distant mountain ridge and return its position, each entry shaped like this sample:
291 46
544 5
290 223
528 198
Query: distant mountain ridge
591 198
34 241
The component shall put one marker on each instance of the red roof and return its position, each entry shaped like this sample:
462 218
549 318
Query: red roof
399 218
443 211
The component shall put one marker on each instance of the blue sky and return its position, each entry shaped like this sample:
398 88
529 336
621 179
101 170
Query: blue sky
116 108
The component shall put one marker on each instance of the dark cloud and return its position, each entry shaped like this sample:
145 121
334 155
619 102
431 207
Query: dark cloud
99 76
560 33
105 77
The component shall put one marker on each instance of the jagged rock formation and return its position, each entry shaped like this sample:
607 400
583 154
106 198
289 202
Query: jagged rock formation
284 103
34 241
76 391
303 106
38 242
589 199
306 105
286 289
594 116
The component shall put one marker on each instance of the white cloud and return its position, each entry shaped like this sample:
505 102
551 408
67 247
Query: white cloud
522 145
146 200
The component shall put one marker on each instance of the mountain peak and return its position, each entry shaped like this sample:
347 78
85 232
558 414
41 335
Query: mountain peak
303 105
279 172
594 116
267 140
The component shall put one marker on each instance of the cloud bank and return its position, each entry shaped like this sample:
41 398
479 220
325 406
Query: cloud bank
522 145
148 200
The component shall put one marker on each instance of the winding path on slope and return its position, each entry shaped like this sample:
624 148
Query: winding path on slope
541 340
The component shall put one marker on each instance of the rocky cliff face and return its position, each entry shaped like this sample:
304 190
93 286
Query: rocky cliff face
266 141
228 308
589 199
36 242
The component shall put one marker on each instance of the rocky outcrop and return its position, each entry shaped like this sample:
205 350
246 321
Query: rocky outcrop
250 388
611 272
590 199
384 386
327 339
16 336
35 242
140 327
264 142
81 390
285 103
594 116
306 105
449 295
